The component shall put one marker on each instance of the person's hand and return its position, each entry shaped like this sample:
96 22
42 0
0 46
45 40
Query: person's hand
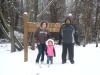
78 43
59 43
38 43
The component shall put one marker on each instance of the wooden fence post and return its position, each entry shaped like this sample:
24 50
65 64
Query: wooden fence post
25 19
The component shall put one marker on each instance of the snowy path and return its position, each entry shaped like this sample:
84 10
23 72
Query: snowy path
87 62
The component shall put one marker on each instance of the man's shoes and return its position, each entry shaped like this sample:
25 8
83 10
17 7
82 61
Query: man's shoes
72 62
37 62
63 62
42 62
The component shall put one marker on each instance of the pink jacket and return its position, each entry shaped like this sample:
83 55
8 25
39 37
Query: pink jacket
50 50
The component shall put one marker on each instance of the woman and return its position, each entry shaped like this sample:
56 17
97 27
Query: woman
41 35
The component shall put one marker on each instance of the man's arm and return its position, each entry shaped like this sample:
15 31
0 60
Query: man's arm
60 36
76 36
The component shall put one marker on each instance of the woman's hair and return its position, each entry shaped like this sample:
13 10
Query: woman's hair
43 22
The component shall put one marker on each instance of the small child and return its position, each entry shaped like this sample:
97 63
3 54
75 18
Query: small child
50 51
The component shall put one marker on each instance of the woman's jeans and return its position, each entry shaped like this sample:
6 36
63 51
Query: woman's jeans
41 50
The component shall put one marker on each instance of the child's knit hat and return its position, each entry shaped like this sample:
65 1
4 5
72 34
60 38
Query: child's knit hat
50 40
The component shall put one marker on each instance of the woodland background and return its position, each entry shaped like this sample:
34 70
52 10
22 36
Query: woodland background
86 17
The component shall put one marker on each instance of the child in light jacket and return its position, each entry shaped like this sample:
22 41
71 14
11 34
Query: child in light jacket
50 51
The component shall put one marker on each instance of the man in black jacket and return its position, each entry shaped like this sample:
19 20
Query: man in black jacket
68 35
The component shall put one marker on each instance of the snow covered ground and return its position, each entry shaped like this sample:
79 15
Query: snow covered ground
87 62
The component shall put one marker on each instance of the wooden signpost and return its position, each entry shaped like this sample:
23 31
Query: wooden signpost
31 27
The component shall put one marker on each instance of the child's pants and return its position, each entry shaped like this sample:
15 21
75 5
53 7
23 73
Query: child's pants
49 58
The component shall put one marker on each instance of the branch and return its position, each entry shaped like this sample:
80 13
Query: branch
45 9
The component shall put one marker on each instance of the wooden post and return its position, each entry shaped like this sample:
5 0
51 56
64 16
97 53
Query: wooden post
25 19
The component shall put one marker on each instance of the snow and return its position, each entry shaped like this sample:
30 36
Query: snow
69 14
25 13
87 62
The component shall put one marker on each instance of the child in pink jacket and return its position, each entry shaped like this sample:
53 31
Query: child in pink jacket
50 51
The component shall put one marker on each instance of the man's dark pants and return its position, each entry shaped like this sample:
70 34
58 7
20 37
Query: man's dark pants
70 48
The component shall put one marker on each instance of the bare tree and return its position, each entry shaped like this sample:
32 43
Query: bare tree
97 22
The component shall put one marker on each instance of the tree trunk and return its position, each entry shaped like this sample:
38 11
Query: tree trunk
96 25
53 13
34 20
12 30
8 28
6 35
85 30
